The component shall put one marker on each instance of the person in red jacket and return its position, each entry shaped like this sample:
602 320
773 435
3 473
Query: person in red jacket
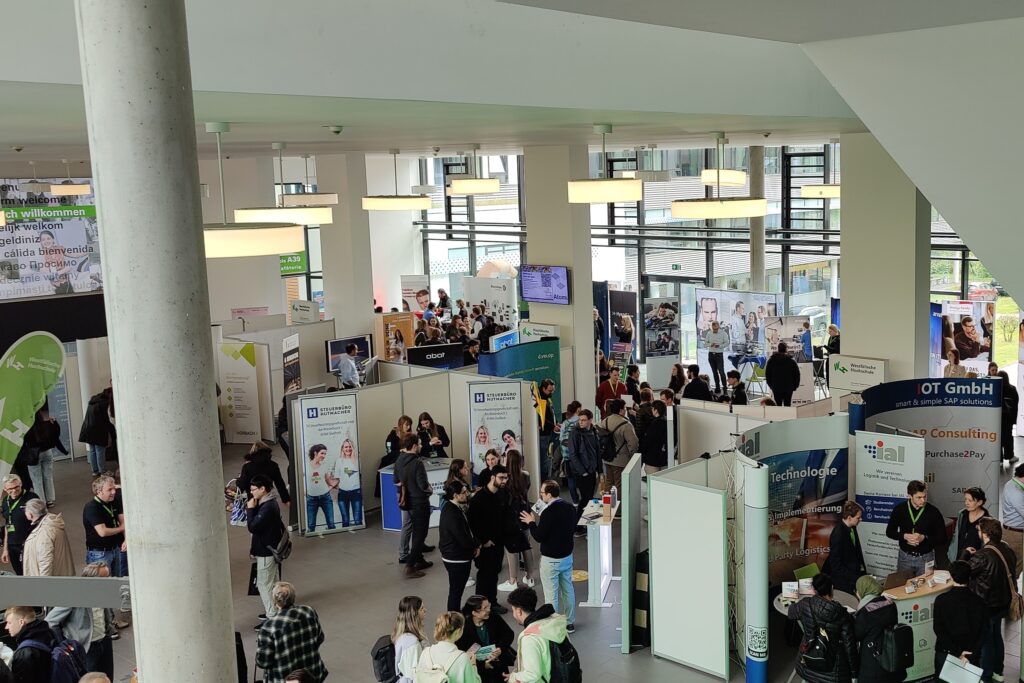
609 389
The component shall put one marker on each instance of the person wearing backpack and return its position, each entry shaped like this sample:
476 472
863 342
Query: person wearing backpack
569 421
545 654
91 627
960 620
994 580
624 443
828 649
584 462
444 662
32 661
875 614
263 519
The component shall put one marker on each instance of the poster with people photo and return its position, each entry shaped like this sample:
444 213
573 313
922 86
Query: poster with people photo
742 316
495 418
795 332
332 495
497 298
415 292
397 331
967 332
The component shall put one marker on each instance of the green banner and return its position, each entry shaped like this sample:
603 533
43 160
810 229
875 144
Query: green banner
28 371
294 264
42 213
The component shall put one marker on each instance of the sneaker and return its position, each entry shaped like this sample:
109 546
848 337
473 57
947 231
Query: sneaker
580 532
471 582
262 616
529 582
995 676
258 626
570 628
115 636
1013 460
50 503
507 586
425 564
403 560
413 573
121 623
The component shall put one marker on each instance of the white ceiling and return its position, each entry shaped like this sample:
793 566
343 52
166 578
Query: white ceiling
791 21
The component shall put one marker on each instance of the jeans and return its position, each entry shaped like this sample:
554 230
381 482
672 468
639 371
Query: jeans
267 573
585 485
315 504
100 657
717 363
405 539
96 460
458 576
556 578
110 557
350 503
420 515
915 563
488 566
545 456
42 476
573 493
992 647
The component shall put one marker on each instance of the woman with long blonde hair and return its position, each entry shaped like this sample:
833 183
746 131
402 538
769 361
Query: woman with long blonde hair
350 486
459 666
407 637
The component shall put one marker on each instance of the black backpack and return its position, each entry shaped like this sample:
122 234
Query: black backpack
383 654
897 648
607 443
817 652
565 663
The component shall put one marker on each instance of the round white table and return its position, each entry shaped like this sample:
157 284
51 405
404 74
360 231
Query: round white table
845 599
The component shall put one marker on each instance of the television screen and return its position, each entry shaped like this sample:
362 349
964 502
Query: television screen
545 284
336 347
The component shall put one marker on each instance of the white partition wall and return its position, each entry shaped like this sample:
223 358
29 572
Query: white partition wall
380 406
703 431
632 517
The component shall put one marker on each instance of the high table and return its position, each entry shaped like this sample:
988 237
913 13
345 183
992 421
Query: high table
916 609
391 514
848 601
599 553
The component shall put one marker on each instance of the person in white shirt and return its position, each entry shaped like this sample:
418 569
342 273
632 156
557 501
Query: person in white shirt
717 341
347 371
458 666
407 637
350 492
320 479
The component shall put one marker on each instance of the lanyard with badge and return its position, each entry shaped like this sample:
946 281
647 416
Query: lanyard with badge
110 511
913 517
11 507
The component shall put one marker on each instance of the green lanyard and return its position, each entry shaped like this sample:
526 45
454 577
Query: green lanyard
853 537
110 511
1019 485
913 517
11 507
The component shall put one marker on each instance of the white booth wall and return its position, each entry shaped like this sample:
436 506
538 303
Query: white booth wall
243 283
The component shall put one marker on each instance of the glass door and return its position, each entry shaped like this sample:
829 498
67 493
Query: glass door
663 296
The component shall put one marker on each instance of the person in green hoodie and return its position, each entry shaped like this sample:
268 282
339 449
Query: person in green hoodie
541 626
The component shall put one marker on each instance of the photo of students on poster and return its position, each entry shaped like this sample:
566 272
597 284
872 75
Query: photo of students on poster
397 330
330 473
743 316
495 415
415 292
967 337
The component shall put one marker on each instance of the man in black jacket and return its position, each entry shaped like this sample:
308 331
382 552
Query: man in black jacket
488 514
261 461
456 541
412 477
991 581
16 524
549 426
919 527
263 519
845 563
32 660
739 389
696 388
960 620
782 375
584 460
555 533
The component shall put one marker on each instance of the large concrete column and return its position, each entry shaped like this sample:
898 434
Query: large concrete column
757 243
395 242
345 245
138 103
558 234
886 253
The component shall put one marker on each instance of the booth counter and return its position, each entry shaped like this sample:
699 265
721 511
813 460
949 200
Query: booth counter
599 552
917 609
437 472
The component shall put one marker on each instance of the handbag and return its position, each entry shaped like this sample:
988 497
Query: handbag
1016 601
283 550
238 516
955 671
30 455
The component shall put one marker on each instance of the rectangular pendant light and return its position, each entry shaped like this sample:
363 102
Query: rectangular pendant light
605 190
724 176
471 186
70 189
646 176
301 215
35 186
3 218
235 240
396 203
819 192
712 209
310 199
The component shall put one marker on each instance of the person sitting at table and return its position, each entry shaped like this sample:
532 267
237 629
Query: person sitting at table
821 611
875 613
919 528
845 563
960 620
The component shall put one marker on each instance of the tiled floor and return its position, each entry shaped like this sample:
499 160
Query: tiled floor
354 582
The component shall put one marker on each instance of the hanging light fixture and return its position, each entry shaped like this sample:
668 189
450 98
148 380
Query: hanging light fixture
69 188
303 215
396 202
306 198
470 183
828 190
604 190
645 176
719 207
233 240
35 186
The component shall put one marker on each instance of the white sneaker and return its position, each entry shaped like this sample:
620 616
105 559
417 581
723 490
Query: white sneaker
529 582
507 586
471 582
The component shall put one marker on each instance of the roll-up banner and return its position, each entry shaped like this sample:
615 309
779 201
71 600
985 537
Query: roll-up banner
239 392
530 362
496 297
59 407
28 372
292 370
743 316
623 305
969 328
415 292
662 333
495 419
329 464
959 420
443 356
602 341
808 481
395 333
1020 372
884 465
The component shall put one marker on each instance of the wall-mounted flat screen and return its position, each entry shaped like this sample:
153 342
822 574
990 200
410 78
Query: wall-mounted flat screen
545 284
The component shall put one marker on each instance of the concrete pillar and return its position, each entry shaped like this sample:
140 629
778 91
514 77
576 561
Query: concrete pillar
138 103
886 254
345 245
756 176
395 243
558 234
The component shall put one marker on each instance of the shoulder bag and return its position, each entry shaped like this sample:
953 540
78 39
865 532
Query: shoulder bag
816 652
1016 601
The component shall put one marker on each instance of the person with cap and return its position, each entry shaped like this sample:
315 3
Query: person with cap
875 613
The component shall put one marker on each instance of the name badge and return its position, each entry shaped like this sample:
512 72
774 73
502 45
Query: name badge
10 528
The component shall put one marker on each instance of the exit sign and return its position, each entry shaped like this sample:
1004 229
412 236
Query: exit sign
676 266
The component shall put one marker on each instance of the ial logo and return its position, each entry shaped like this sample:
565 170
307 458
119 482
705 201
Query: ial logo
312 413
916 614
478 398
879 451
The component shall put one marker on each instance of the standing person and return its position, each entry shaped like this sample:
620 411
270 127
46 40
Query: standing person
991 582
30 664
445 656
668 397
737 389
832 346
821 611
393 446
350 486
103 518
633 382
483 628
443 301
598 330
263 519
549 427
806 348
96 428
491 458
92 627
845 563
643 414
1011 509
16 525
782 374
407 637
678 379
919 527
412 477
584 461
433 437
624 329
47 548
488 515
320 479
516 541
960 620
623 439
458 545
348 373
570 420
459 471
610 389
717 341
696 389
555 532
45 434
261 461
471 354
654 442
542 626
965 532
875 613
1010 405
290 639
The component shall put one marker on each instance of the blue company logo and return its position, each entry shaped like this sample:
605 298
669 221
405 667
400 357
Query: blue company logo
879 451
479 398
312 413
